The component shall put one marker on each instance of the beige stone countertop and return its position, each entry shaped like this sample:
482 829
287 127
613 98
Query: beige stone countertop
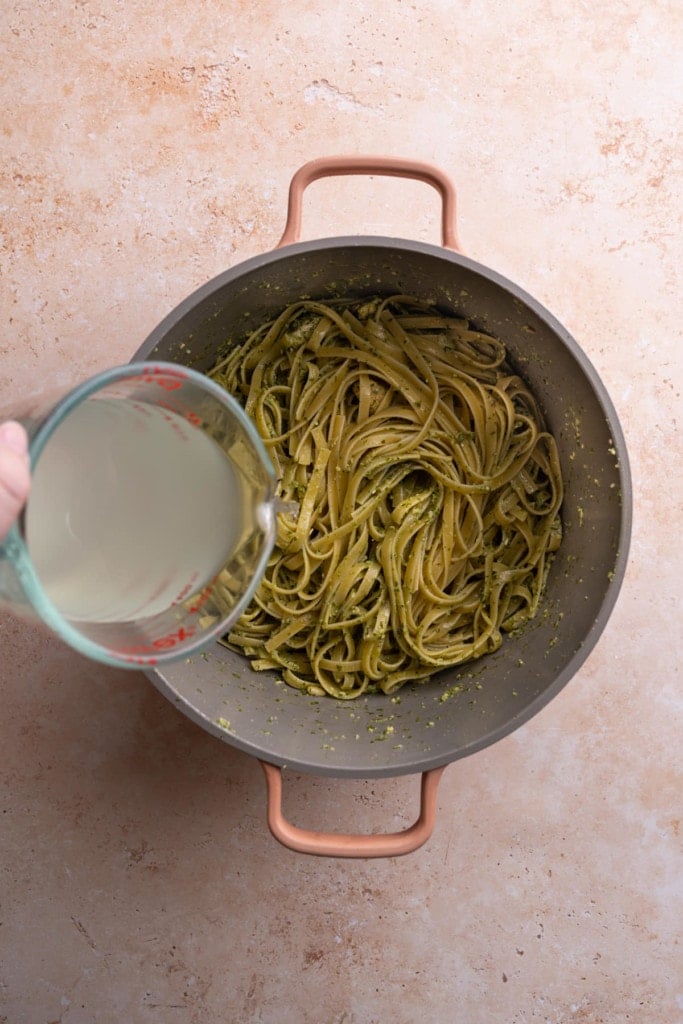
146 147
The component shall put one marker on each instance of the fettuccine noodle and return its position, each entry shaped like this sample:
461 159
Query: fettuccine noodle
428 493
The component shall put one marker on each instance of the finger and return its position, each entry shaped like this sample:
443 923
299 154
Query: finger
13 435
15 482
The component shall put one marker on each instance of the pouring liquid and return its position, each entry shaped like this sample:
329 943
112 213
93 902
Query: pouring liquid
131 510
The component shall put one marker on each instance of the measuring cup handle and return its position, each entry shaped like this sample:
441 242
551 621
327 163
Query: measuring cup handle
336 844
388 166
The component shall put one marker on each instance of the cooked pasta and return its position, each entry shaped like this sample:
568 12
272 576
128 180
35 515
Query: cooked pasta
428 493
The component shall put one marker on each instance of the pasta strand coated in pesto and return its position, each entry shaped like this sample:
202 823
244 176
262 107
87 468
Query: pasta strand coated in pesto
428 491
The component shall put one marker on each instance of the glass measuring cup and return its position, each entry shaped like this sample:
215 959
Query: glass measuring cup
150 520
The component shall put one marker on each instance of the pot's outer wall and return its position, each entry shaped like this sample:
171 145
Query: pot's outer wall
425 725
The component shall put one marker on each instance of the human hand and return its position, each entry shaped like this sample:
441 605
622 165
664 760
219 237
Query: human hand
15 477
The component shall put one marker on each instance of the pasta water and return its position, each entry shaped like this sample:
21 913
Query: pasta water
132 509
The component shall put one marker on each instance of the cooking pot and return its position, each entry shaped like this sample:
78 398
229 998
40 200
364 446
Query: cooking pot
463 709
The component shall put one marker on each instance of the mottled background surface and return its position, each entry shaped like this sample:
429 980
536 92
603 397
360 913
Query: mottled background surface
145 148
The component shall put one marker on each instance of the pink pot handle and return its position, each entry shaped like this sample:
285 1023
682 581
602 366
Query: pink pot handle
393 167
334 844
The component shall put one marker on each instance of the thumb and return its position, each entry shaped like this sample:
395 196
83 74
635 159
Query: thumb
15 479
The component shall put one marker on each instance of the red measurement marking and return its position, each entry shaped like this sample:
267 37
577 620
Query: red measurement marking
176 427
183 593
187 589
203 597
171 639
169 380
150 368
182 410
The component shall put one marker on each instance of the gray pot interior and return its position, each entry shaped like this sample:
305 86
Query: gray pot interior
460 710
